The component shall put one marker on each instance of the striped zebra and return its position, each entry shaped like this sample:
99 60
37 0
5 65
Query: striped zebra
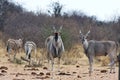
29 47
14 45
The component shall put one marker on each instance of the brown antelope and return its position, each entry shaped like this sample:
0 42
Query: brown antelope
94 48
54 46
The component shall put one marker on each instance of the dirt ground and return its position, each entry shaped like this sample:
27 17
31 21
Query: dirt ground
12 71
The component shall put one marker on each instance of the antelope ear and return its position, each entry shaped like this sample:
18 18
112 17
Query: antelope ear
60 28
22 39
89 31
54 28
87 34
80 33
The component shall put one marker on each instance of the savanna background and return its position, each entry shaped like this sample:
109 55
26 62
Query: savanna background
16 22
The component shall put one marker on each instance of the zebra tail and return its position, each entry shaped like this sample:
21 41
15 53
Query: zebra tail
7 48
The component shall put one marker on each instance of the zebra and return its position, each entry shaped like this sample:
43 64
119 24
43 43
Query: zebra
30 46
14 45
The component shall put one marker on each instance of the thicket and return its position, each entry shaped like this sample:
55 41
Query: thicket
16 22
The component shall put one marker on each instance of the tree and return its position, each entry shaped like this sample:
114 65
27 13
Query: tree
5 8
56 9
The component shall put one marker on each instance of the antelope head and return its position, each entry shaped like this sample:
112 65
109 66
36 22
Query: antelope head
83 37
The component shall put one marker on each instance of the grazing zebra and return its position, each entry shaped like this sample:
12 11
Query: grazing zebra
29 47
14 45
54 46
94 48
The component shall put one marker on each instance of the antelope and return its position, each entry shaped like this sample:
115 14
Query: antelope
94 48
55 47
14 45
29 47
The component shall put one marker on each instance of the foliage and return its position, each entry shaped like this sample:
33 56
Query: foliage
37 27
6 8
56 9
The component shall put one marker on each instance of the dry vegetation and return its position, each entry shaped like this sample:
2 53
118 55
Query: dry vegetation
72 68
18 23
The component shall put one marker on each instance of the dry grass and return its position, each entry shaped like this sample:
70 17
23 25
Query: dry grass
75 64
75 52
71 57
103 60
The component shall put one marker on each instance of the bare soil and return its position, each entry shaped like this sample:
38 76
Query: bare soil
79 71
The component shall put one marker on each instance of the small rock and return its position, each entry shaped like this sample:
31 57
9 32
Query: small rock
103 71
45 68
68 72
35 69
46 77
97 74
48 73
33 73
41 73
2 74
39 77
101 76
62 73
27 66
3 67
77 66
32 69
78 76
3 71
74 72
18 79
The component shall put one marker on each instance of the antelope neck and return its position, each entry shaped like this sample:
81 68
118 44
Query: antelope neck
56 37
85 44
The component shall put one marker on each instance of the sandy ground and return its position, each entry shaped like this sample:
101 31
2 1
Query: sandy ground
12 71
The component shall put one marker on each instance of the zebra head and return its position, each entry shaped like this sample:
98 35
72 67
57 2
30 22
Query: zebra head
20 42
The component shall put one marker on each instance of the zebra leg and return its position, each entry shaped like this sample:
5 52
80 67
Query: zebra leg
35 55
29 57
9 53
8 50
15 55
26 51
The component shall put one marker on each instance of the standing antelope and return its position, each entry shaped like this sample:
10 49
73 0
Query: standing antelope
14 45
94 48
29 47
55 47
